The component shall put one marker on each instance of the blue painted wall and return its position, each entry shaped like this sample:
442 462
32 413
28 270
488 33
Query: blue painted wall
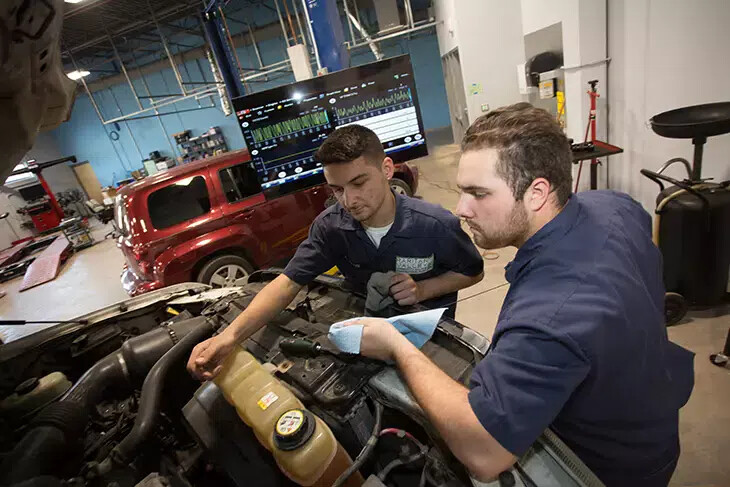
85 136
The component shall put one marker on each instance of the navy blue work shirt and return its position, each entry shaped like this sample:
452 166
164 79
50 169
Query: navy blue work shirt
581 345
425 241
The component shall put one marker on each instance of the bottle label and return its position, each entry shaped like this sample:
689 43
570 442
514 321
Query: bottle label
266 401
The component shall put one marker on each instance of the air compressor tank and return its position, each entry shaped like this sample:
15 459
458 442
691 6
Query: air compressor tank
694 237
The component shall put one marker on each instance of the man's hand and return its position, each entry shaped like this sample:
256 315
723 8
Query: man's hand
405 290
207 357
445 401
206 360
380 340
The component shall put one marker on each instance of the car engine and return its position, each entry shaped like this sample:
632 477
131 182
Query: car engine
107 401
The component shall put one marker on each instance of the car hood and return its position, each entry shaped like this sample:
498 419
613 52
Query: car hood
18 339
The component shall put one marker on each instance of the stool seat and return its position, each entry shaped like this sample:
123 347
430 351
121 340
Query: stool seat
692 122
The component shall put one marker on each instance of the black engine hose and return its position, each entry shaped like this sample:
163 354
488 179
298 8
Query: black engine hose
130 363
398 462
89 389
149 404
44 481
51 446
366 451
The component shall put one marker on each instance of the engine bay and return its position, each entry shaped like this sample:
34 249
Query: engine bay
108 401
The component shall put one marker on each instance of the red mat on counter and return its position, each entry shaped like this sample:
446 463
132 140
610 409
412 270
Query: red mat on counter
12 254
45 267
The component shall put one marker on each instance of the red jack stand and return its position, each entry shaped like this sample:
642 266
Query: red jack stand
593 149
593 94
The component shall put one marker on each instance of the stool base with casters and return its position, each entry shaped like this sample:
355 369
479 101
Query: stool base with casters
722 359
675 307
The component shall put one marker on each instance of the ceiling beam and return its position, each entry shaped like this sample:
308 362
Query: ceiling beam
177 9
179 29
262 33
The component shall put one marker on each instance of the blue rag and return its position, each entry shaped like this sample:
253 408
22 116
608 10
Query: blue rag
416 327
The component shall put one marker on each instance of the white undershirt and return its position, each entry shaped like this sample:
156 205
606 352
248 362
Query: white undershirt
376 234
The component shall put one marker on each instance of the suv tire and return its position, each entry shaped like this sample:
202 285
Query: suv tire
400 186
225 271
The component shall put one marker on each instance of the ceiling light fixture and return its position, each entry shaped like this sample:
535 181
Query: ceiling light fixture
73 1
78 74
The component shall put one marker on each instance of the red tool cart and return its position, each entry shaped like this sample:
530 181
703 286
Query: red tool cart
43 215
46 213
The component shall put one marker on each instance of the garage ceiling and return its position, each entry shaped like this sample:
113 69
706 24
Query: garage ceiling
88 25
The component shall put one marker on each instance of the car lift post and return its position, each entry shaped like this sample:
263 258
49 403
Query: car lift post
329 38
325 26
221 49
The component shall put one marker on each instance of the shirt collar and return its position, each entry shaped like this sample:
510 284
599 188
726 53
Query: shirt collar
549 234
400 224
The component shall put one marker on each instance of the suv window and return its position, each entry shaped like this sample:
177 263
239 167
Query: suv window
183 200
120 215
239 181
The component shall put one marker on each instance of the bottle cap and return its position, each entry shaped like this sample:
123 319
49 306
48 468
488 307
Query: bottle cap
293 429
27 385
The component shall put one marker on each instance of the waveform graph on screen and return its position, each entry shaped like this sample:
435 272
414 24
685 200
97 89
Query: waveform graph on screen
394 100
315 120
391 116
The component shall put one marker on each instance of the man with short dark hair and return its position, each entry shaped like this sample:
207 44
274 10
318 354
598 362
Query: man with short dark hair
581 344
370 229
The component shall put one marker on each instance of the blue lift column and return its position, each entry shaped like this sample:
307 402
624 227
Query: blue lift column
222 50
328 34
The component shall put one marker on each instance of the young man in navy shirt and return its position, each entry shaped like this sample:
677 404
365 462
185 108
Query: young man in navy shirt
369 230
580 345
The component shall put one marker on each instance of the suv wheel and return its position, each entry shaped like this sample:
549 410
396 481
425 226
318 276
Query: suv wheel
400 187
225 271
675 307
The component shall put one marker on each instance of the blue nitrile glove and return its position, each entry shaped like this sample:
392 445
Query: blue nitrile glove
416 327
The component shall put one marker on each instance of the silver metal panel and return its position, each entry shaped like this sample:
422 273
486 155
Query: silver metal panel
387 13
455 94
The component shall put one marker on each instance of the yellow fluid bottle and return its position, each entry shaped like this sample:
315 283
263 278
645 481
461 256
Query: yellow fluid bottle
304 447
259 398
307 451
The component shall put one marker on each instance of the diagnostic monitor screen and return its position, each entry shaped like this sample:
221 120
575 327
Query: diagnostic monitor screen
284 126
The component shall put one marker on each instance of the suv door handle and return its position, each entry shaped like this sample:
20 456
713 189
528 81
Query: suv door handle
248 214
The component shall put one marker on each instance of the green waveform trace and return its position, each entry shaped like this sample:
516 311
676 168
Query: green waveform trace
290 126
375 103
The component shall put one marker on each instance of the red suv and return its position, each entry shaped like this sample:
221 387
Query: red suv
208 221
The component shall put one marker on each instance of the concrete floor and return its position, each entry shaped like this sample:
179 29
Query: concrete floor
87 281
90 279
